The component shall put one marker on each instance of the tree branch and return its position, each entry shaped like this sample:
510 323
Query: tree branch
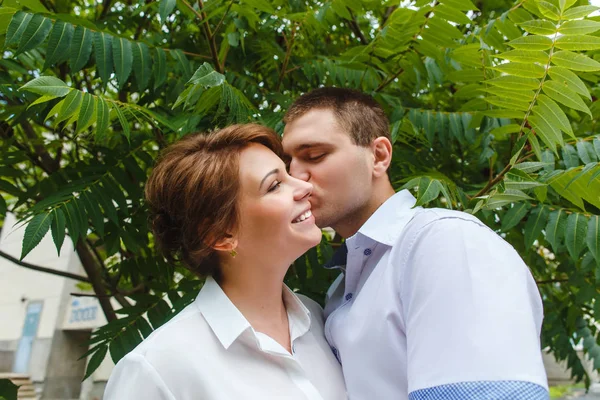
27 265
94 274
207 33
222 18
286 60
353 23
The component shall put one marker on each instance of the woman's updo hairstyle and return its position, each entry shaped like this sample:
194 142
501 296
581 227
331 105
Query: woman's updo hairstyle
192 193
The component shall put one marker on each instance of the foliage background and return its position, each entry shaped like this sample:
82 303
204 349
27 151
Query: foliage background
493 107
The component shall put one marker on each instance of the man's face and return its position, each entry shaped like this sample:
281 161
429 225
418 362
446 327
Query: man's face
341 172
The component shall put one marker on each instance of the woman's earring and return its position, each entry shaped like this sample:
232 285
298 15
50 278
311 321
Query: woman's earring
233 253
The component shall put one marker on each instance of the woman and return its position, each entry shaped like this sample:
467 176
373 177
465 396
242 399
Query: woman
224 204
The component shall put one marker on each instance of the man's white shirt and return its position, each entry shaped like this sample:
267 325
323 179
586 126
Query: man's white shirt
210 351
433 304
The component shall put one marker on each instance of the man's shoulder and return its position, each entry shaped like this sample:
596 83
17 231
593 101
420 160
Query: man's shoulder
441 218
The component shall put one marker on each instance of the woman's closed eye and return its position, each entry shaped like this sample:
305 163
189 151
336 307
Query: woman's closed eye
274 186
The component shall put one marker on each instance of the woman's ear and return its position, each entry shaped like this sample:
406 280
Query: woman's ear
382 151
228 244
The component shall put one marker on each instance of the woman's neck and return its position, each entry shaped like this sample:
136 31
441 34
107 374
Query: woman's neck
259 297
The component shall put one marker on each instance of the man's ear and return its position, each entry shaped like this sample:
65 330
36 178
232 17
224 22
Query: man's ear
382 152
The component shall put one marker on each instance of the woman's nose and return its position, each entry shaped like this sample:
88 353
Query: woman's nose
303 189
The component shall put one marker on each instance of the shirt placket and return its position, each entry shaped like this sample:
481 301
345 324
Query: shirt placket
358 254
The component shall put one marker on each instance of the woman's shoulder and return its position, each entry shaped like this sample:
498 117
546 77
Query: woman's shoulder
182 333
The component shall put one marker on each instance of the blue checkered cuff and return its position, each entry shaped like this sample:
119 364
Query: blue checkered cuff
480 390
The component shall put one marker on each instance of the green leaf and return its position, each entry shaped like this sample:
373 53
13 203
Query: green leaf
539 27
70 106
462 5
93 211
6 14
58 44
532 42
86 113
531 166
515 82
35 34
578 42
160 68
182 61
17 26
497 200
102 118
123 121
502 131
593 237
507 103
579 12
536 221
116 348
514 215
429 189
570 79
9 188
58 228
106 203
564 95
8 390
143 65
123 59
553 113
47 86
549 10
451 14
525 56
207 77
104 55
549 133
72 221
555 230
81 48
96 360
165 8
574 61
582 27
523 70
35 231
586 152
575 235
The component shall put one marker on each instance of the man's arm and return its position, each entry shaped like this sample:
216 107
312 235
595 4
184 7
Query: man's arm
473 316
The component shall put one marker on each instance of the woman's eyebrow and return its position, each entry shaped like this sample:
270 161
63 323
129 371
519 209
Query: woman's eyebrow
275 171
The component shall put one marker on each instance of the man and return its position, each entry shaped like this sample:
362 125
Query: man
432 304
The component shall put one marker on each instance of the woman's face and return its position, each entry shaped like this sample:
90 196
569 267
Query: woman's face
275 217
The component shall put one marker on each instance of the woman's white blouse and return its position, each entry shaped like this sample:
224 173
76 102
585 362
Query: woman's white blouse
209 351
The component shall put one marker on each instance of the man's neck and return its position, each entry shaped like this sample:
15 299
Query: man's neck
350 225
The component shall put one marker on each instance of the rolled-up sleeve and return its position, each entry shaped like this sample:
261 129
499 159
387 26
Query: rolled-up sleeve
473 316
135 378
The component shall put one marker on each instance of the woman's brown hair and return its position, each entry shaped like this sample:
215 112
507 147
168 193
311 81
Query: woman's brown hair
192 193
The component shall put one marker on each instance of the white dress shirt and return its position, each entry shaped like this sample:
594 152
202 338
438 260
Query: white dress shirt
209 351
434 305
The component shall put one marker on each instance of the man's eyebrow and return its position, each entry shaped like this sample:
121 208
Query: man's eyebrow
305 146
275 171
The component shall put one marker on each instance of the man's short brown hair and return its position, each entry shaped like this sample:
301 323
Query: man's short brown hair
192 193
357 113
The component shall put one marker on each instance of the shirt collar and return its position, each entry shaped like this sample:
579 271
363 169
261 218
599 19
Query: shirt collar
228 323
387 222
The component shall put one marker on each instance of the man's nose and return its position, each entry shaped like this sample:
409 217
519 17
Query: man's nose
298 172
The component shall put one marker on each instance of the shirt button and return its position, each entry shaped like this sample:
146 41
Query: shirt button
367 252
348 296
